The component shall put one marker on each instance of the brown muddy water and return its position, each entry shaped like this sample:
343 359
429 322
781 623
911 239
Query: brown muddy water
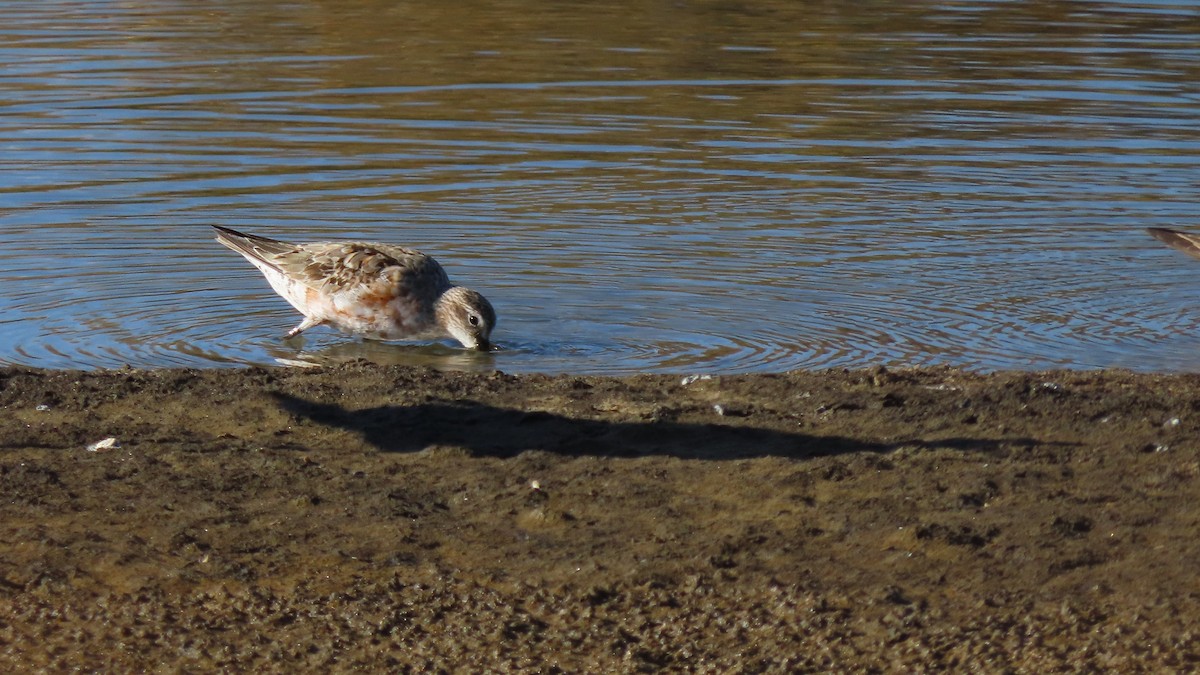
638 187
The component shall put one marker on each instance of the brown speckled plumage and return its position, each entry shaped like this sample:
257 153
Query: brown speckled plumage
378 291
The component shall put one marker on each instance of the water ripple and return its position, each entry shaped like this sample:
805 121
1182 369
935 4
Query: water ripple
958 182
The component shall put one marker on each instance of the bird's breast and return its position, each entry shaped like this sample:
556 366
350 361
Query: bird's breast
383 314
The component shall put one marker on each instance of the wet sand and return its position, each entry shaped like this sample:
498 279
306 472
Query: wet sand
406 519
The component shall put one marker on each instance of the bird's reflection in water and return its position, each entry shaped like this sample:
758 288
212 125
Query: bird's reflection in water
435 355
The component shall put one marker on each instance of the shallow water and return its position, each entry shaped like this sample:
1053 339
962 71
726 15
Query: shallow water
677 186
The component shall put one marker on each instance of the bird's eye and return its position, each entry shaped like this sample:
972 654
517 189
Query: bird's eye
474 320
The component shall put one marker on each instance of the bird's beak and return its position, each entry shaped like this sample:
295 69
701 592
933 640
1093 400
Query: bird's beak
483 346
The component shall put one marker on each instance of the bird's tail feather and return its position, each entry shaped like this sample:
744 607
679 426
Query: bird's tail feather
252 246
1188 243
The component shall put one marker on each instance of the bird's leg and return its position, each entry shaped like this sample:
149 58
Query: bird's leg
307 323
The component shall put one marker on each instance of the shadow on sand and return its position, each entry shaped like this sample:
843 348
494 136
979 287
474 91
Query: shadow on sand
502 432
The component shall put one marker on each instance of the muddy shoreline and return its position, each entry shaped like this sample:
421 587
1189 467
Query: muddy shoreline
400 518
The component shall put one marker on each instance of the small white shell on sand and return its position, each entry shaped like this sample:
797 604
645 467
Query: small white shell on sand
694 378
106 444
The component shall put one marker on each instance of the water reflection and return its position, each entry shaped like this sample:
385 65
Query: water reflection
636 186
434 356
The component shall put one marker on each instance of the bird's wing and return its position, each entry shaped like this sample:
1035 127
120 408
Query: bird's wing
355 267
341 267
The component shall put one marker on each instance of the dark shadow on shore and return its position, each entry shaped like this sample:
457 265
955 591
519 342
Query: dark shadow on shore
502 432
